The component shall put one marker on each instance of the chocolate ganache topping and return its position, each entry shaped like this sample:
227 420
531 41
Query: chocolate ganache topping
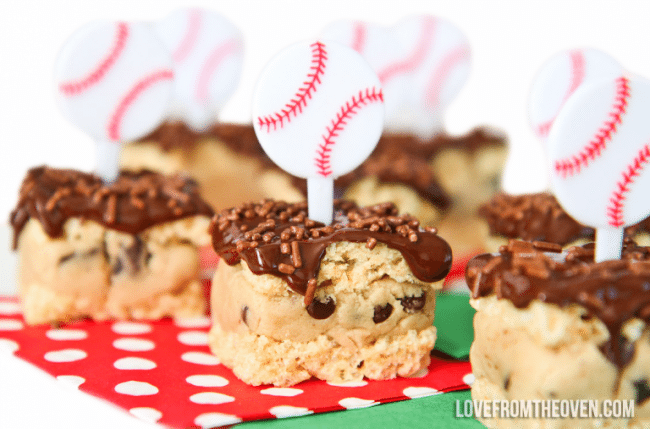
398 158
278 238
613 291
538 217
132 203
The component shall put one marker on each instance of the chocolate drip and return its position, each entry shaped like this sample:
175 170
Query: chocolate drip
398 158
134 202
267 235
613 291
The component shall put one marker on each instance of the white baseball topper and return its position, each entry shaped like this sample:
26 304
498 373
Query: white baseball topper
560 77
599 149
207 51
318 113
422 63
113 80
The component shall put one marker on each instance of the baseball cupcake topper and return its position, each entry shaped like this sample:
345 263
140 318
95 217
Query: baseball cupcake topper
318 113
560 77
422 63
599 150
207 51
113 80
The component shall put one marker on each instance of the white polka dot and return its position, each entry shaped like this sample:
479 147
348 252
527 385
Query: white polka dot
11 325
66 334
207 381
351 403
147 414
359 383
468 379
131 328
134 363
9 346
136 388
133 344
420 374
418 392
193 338
210 420
71 380
200 358
281 391
65 355
212 398
283 411
8 308
193 323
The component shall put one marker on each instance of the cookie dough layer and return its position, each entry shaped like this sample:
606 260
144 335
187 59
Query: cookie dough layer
547 352
92 271
374 319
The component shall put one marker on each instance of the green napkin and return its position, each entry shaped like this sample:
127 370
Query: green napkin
453 319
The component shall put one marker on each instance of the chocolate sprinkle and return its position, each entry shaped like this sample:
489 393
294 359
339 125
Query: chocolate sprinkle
429 256
613 291
134 202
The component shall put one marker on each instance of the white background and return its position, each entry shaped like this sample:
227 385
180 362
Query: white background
510 39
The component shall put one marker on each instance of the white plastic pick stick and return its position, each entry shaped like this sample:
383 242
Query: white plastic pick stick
108 157
318 114
320 198
609 242
599 150
114 80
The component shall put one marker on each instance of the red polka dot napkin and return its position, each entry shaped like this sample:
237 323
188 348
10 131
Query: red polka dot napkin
163 371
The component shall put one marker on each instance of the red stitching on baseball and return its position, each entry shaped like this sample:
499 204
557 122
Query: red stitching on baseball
441 73
80 85
571 165
116 118
190 37
416 57
617 200
215 59
577 76
349 109
359 34
305 92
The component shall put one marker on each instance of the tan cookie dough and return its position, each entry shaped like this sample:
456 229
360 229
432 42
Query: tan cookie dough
378 324
470 177
546 352
91 271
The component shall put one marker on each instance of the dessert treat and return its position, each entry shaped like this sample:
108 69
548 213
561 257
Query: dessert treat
539 217
226 160
429 179
127 249
557 325
295 299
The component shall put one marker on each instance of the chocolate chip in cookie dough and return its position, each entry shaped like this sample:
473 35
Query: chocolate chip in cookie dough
321 309
506 382
382 313
412 304
642 391
244 315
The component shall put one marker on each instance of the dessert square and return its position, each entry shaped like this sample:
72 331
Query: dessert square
128 249
295 299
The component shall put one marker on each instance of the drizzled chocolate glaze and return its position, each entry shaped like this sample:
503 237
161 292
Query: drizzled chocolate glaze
613 291
538 217
134 202
396 159
277 238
